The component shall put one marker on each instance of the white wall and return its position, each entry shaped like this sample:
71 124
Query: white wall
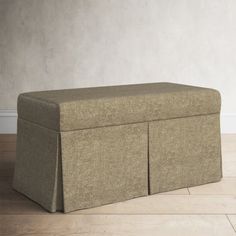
52 44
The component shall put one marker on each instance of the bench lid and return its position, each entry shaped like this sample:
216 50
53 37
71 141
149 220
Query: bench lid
72 109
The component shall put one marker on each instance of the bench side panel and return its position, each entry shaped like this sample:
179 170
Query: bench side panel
37 169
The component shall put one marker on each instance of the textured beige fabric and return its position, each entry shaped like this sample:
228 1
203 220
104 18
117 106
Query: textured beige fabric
82 148
104 165
100 166
184 152
37 169
95 107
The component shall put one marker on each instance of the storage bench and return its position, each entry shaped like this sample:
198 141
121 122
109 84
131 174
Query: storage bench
81 148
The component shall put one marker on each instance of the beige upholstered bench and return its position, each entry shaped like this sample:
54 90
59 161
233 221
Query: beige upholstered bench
87 147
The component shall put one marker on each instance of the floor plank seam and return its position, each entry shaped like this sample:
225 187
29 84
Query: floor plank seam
188 191
230 223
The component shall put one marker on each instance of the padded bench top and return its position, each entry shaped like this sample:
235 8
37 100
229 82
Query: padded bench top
72 109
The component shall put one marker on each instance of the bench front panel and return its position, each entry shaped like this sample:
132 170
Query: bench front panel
184 152
104 165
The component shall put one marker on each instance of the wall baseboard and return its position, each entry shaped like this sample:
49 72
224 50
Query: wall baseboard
8 122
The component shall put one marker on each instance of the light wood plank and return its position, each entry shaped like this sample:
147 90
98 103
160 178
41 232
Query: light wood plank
7 159
182 191
7 192
7 163
227 186
228 142
232 219
9 155
118 225
156 204
21 207
7 146
7 138
229 164
170 204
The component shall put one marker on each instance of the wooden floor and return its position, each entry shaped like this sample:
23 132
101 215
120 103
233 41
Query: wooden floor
204 210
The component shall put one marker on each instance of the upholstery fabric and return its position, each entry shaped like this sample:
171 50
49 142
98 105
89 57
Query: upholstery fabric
72 109
82 148
184 152
104 165
98 166
37 168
